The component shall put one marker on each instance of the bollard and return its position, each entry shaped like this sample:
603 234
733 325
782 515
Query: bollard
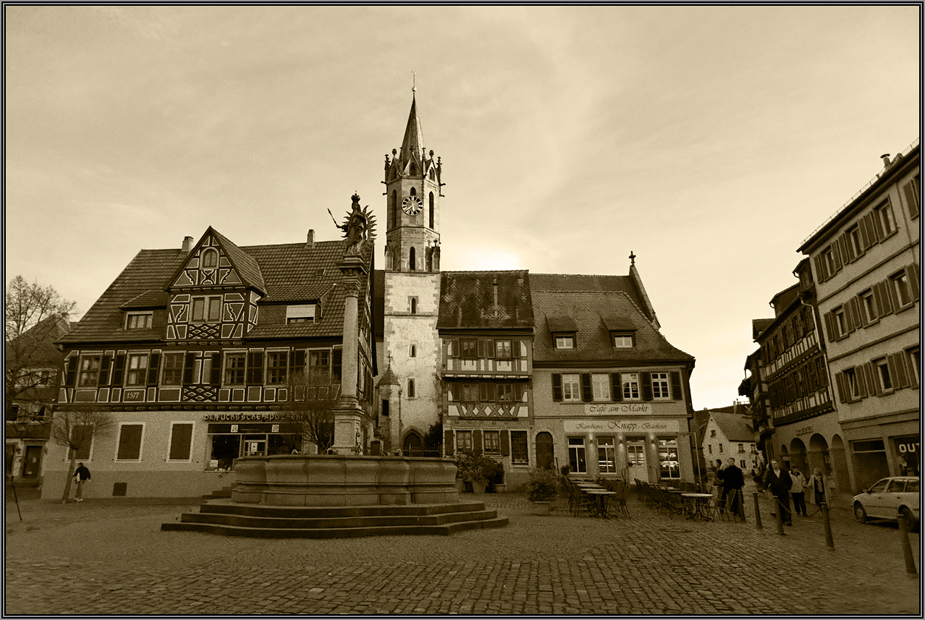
907 550
757 512
780 518
828 526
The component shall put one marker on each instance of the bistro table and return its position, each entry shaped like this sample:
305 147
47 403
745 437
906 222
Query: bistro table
698 502
601 494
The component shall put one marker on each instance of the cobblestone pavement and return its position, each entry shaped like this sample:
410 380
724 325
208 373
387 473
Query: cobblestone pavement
108 557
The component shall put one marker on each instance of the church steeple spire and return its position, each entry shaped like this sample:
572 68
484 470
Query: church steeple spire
412 143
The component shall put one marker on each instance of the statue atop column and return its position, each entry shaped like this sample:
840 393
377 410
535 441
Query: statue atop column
359 227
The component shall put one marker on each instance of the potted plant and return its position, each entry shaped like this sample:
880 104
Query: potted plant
477 469
542 488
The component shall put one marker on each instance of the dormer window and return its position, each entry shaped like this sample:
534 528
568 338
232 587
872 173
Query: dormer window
622 340
209 259
564 341
138 320
301 313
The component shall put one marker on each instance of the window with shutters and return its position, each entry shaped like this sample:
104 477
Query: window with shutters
277 367
564 341
884 215
206 309
503 349
912 363
576 455
571 388
882 374
172 373
469 349
469 393
856 246
828 257
138 320
868 307
137 369
600 387
463 440
181 441
840 322
491 442
911 194
660 389
129 446
853 391
235 366
903 289
519 447
89 373
505 392
630 385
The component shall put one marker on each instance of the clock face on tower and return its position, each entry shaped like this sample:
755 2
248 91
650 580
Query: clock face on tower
412 205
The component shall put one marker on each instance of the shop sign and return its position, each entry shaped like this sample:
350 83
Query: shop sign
620 426
804 430
619 409
240 417
908 445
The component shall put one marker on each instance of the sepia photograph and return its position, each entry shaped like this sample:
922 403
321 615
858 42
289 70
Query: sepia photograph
462 309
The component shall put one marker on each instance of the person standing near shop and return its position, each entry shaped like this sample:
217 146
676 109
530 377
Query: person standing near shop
778 483
817 484
733 481
81 475
797 490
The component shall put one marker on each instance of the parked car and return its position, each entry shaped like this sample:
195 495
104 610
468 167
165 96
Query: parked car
889 498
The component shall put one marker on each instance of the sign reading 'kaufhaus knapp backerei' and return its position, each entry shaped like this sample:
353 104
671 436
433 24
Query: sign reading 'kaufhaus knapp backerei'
621 426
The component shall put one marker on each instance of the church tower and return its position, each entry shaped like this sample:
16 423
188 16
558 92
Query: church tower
412 288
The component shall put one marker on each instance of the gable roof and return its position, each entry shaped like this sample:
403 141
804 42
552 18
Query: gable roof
485 300
588 309
734 426
244 265
288 273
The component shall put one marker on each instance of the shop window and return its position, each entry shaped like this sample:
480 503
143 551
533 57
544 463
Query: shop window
137 369
660 386
206 309
668 458
181 441
576 455
225 448
129 447
519 447
630 385
606 455
139 320
492 442
571 388
463 441
600 387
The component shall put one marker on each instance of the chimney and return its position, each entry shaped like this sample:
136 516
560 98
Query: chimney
187 245
310 241
886 160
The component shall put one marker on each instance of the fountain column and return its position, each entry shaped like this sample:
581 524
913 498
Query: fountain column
348 415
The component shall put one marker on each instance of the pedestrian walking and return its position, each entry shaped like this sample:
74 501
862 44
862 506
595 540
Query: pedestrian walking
797 490
733 481
817 485
718 479
778 483
81 475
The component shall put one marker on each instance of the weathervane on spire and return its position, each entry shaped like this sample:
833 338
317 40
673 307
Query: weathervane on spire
632 258
414 87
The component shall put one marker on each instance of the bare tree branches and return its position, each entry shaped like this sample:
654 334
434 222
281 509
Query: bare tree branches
74 428
311 399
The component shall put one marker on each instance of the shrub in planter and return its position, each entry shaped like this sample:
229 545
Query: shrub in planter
543 485
477 468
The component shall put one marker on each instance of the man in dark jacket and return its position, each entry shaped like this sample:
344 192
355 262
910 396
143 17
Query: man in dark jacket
733 481
81 475
778 483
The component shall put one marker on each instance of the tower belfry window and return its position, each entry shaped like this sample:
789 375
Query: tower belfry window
411 259
431 210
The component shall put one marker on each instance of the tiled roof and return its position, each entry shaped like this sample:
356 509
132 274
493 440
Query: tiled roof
36 345
248 269
593 342
471 300
289 273
576 282
759 325
735 427
148 299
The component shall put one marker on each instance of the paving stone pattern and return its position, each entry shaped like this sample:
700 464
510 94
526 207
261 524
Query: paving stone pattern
109 557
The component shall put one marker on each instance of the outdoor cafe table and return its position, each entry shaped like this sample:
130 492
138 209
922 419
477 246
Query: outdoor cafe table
698 501
601 494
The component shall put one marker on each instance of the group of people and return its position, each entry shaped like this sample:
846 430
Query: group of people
778 483
783 485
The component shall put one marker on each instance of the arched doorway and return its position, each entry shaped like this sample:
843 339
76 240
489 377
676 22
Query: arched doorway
545 456
798 455
818 455
413 444
839 465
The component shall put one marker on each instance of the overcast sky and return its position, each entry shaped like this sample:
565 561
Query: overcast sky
710 141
